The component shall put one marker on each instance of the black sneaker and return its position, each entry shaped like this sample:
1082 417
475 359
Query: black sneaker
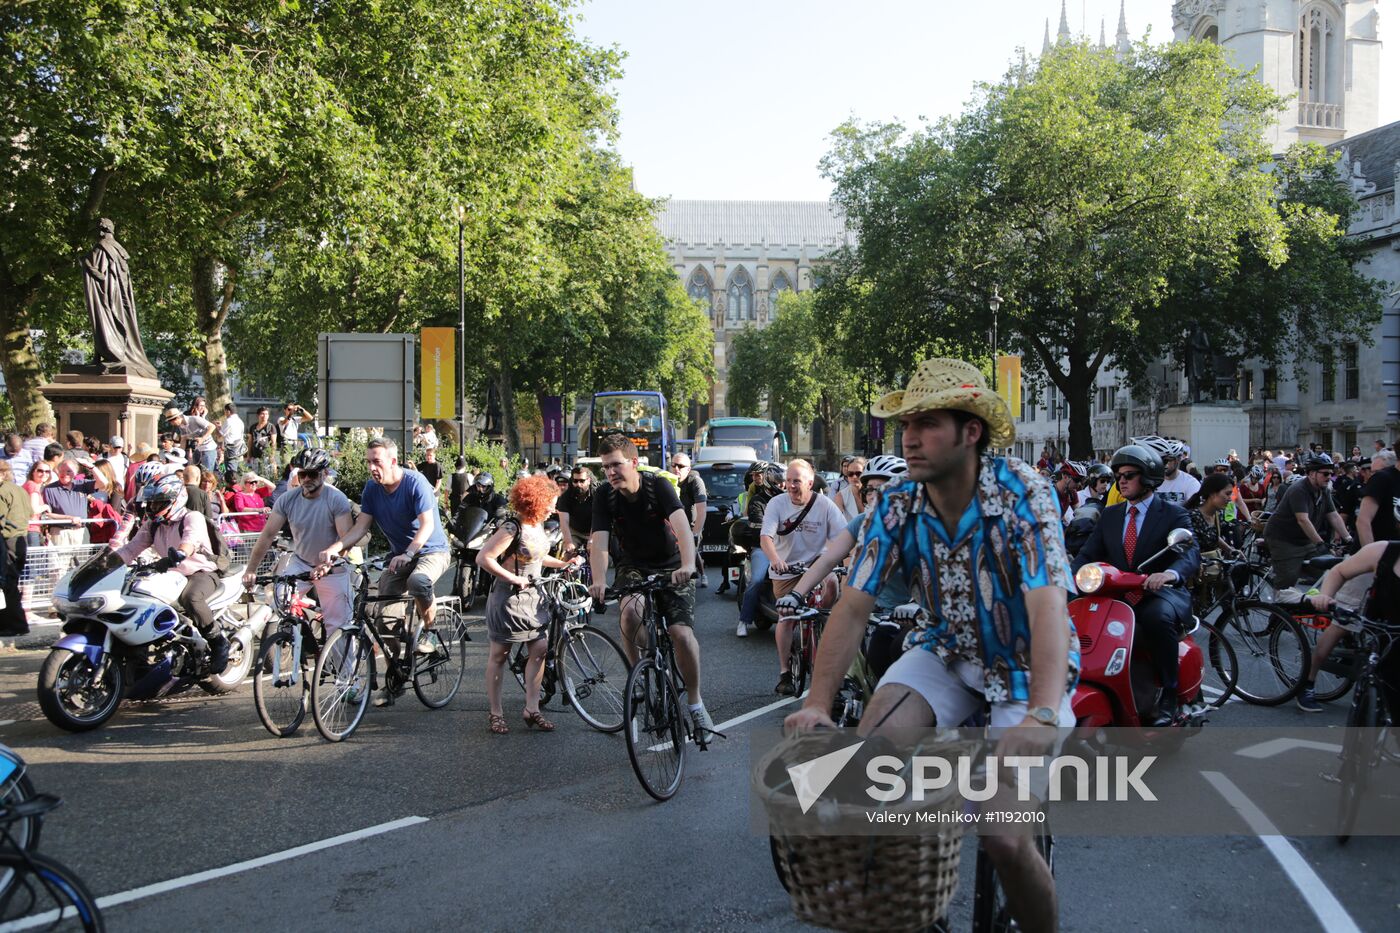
785 687
1307 701
218 655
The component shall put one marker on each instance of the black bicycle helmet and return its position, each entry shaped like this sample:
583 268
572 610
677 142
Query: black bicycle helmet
1318 462
312 460
1145 459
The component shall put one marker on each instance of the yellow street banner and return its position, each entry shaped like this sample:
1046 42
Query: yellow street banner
1009 382
439 349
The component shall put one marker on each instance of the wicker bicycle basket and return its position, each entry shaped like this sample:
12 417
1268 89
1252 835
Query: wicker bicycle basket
868 882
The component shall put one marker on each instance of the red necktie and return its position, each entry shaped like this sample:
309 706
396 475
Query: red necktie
1129 547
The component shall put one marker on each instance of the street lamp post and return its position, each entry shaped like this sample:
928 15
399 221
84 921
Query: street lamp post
461 211
994 303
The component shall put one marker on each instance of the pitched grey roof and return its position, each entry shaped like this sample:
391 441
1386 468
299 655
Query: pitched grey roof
1377 150
776 223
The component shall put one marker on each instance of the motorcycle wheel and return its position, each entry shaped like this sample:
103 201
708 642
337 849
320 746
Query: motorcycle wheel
66 691
767 609
240 661
467 585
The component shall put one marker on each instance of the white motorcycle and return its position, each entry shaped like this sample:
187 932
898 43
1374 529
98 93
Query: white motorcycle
124 638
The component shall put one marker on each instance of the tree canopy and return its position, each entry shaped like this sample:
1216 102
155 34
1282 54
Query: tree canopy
1081 188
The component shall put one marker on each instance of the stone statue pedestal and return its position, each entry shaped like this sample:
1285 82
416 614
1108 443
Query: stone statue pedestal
1210 429
100 406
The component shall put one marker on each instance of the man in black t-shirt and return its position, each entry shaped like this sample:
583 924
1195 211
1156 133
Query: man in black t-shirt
692 493
431 469
1378 518
1295 531
644 514
575 508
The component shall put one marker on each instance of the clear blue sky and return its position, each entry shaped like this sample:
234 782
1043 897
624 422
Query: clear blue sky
729 99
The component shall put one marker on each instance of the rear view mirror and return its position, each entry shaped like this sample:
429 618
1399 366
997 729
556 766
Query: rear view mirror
1179 538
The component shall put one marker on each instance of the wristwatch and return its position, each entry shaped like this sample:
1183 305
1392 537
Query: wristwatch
1045 715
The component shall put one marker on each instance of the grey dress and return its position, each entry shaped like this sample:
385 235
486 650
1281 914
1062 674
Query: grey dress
516 615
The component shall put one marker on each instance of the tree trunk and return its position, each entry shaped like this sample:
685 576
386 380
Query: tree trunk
212 301
1078 389
23 375
510 425
829 421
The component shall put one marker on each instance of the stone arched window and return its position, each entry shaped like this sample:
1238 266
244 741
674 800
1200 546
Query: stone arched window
1208 31
700 286
1316 66
740 294
779 285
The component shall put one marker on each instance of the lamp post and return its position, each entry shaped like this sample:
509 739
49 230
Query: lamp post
994 303
461 212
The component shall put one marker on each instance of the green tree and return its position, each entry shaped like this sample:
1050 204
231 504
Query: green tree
796 366
1078 187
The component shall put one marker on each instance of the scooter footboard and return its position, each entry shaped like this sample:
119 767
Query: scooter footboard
1093 708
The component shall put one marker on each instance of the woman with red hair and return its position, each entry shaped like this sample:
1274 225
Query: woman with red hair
515 614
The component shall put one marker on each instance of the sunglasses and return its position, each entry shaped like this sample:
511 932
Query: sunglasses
309 474
45 471
680 466
1128 474
853 475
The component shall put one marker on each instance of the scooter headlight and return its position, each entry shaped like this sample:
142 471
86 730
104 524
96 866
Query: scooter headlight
1089 578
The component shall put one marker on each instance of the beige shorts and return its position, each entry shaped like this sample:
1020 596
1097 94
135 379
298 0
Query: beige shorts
783 586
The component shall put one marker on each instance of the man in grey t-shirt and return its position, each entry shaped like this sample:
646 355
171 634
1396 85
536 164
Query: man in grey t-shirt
318 515
197 429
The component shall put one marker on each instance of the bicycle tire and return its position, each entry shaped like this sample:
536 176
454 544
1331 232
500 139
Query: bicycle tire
40 886
24 832
1327 686
797 665
438 676
592 671
656 735
281 707
1355 772
335 706
1272 652
1221 655
990 913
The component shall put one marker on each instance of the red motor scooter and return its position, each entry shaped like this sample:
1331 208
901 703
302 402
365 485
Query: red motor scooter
1118 685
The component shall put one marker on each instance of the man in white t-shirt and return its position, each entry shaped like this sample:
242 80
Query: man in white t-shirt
1178 485
231 441
116 456
795 529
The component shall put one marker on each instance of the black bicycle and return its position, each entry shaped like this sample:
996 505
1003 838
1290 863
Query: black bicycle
432 660
1272 652
656 725
1364 745
35 891
287 657
582 661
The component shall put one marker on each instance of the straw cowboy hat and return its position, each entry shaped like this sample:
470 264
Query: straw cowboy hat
951 384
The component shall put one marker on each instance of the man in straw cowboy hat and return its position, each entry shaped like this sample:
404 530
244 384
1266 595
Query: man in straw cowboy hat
977 537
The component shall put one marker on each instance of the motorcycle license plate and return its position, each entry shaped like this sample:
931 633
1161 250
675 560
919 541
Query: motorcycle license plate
713 548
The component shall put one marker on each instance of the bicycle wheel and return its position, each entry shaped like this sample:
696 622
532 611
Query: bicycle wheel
341 686
1221 673
282 684
24 832
656 736
44 893
1357 752
990 912
797 665
438 676
593 671
1271 649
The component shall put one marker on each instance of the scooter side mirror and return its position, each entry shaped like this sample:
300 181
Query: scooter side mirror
1180 538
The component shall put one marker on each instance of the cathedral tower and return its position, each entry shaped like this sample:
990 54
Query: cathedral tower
1322 54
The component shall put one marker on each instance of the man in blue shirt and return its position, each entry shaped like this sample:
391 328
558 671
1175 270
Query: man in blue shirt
402 504
979 541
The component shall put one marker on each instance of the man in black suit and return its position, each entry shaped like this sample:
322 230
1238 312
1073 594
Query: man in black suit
1163 610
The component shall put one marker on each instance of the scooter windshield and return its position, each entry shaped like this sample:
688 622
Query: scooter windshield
94 571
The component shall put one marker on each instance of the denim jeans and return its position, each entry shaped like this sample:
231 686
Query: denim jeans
758 575
206 458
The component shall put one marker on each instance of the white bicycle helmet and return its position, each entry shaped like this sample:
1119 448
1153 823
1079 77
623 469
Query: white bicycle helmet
886 466
1166 448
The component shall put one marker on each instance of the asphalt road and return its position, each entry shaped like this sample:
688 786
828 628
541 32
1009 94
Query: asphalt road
452 828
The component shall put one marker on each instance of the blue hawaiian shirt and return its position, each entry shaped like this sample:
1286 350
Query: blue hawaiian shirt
1010 540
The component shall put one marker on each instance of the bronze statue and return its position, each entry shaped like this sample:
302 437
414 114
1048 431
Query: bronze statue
1199 379
116 338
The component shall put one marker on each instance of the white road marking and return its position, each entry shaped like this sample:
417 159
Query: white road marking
1323 903
185 881
751 714
1278 746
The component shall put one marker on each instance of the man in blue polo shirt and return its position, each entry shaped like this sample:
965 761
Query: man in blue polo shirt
68 496
402 504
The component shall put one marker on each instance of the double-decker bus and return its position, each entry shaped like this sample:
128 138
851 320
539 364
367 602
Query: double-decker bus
763 436
638 414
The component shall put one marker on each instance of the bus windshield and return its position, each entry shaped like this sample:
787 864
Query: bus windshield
757 436
640 416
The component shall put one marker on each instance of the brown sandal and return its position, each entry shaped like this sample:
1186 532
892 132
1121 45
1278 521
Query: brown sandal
498 724
537 721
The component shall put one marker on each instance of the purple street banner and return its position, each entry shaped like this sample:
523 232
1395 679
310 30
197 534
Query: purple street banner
877 429
552 414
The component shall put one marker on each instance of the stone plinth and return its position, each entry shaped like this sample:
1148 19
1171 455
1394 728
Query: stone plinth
1211 430
101 406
